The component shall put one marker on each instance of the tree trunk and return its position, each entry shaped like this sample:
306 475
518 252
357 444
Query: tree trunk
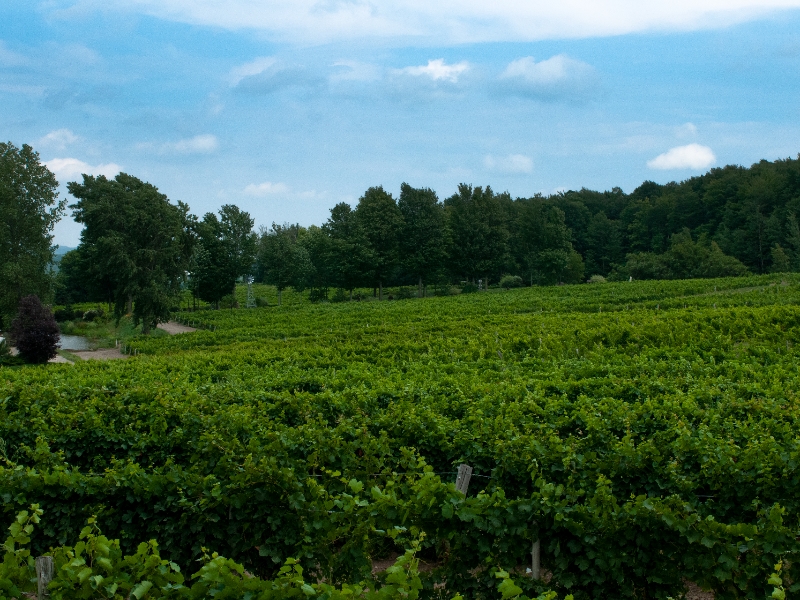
380 293
419 288
351 294
129 305
145 327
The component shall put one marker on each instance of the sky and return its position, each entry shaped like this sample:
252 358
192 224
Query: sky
287 107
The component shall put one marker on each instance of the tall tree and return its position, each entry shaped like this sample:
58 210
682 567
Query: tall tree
225 251
423 242
477 220
29 209
381 221
350 251
542 243
320 276
76 283
282 260
239 241
137 239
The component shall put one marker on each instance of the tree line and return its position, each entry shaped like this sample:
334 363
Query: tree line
138 249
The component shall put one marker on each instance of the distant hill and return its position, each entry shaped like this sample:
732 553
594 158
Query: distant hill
62 250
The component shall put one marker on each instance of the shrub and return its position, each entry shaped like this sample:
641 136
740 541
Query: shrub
511 281
35 331
469 288
596 279
406 293
64 314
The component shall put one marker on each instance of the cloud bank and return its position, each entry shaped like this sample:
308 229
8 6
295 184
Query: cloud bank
437 70
447 21
692 156
71 168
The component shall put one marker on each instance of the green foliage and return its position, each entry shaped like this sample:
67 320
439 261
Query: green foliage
478 223
685 259
29 210
511 281
423 239
225 251
137 243
34 331
382 222
17 571
603 420
96 568
282 260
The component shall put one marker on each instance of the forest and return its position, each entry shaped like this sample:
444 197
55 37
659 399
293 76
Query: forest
730 221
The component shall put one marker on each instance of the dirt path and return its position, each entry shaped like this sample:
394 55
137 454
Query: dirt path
171 327
102 354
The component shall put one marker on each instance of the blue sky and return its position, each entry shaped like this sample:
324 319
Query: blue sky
288 107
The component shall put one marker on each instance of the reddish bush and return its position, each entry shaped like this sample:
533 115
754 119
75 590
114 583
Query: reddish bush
34 331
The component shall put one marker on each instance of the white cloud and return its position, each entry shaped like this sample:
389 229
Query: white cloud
59 139
437 70
70 168
266 189
558 76
199 144
513 164
451 21
692 156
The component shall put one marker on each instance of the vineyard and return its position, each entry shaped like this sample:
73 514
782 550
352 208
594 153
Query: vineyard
646 433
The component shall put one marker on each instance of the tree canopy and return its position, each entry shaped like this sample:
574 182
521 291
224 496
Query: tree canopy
29 209
137 239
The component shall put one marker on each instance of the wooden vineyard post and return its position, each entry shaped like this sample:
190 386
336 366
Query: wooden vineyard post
45 569
462 480
536 563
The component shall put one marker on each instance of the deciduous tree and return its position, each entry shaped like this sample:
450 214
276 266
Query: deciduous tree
381 221
134 236
423 242
29 209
